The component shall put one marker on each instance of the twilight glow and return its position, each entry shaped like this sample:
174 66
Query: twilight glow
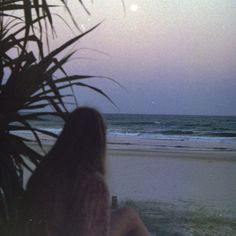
173 56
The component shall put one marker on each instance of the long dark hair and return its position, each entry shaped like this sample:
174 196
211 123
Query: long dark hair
82 142
79 151
80 146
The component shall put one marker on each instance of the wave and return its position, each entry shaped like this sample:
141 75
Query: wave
153 133
124 123
223 134
54 130
120 133
28 132
174 136
177 132
157 127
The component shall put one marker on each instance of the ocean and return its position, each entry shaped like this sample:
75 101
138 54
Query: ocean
220 129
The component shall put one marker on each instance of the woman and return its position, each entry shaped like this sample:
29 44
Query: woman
67 194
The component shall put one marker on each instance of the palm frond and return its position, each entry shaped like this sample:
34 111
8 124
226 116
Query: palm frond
30 83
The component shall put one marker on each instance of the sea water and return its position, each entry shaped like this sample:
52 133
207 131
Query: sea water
160 127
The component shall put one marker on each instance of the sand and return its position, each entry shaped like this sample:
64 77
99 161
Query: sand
144 173
179 188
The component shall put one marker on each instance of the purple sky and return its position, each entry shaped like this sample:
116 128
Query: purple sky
172 56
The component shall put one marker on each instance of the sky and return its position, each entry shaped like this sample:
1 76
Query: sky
170 56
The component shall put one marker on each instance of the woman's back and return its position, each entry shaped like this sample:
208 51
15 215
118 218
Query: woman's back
67 195
63 203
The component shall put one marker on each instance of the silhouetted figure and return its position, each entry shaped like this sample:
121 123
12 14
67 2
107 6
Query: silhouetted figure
67 194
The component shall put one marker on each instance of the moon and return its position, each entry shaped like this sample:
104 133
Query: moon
134 7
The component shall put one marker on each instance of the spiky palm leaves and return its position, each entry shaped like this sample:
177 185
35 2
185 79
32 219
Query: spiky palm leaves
27 83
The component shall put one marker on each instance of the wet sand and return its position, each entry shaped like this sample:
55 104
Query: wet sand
174 175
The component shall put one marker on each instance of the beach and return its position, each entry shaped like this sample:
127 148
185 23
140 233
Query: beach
171 174
189 186
178 187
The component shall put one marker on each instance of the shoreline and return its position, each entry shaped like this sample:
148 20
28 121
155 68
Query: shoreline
161 148
200 150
